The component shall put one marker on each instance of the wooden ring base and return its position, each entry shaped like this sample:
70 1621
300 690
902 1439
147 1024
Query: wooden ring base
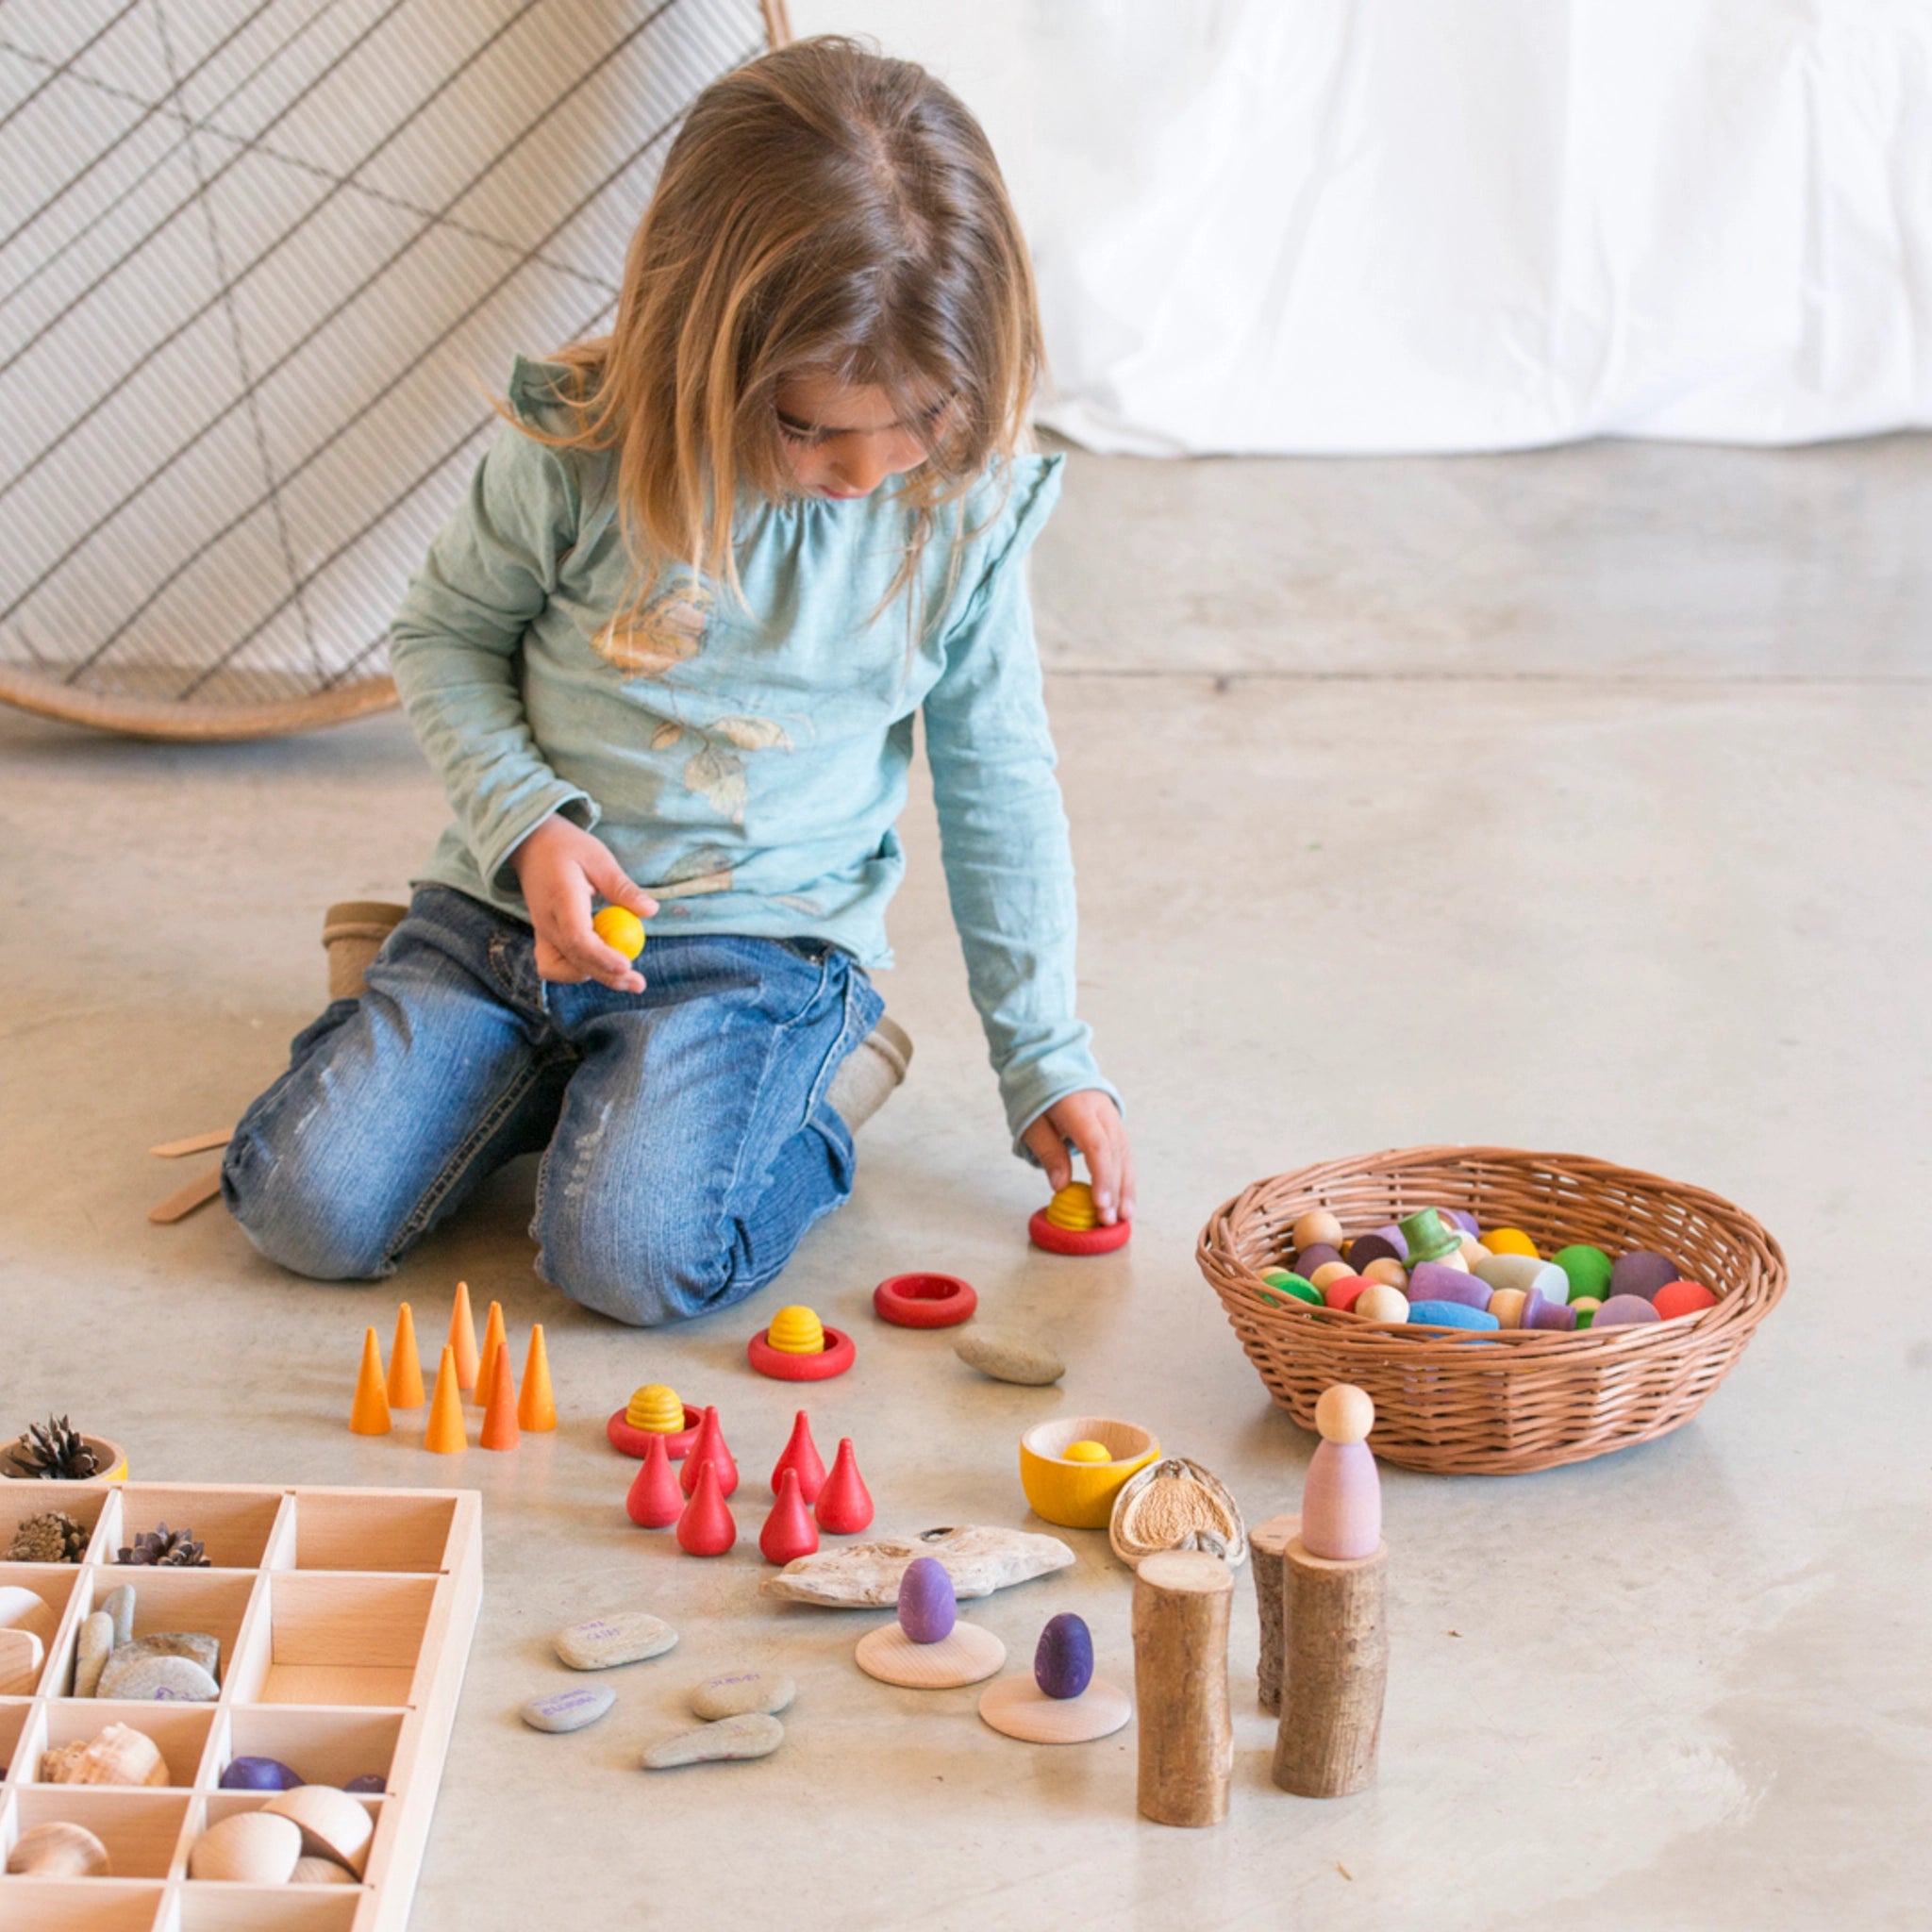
836 1356
1077 1241
638 1441
966 1655
924 1301
1018 1708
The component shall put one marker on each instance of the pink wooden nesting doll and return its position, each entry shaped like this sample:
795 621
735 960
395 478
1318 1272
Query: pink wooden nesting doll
1342 1503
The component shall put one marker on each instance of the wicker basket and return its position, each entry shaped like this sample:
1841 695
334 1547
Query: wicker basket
1508 1401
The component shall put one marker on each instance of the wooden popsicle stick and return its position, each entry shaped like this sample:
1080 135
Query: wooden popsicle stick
196 1143
184 1201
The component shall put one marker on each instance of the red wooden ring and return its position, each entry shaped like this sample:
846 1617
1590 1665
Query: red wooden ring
638 1441
1077 1241
836 1356
924 1301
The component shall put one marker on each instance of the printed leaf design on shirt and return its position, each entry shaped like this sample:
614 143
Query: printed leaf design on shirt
754 734
668 631
716 773
705 870
666 735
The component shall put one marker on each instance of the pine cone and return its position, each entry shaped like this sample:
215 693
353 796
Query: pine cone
168 1548
53 1451
53 1536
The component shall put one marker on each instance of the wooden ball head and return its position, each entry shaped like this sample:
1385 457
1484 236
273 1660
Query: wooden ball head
1181 1599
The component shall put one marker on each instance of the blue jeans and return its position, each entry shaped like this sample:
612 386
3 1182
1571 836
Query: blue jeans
688 1142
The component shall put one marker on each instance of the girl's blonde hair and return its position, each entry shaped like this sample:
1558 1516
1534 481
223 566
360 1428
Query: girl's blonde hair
822 209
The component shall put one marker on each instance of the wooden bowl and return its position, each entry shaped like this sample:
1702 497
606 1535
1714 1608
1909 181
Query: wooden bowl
1080 1495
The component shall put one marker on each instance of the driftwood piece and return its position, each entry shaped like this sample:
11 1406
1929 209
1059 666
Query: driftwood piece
1335 1668
1267 1541
979 1559
1181 1600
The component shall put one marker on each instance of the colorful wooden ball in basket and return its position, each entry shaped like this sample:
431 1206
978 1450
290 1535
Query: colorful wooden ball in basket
1649 1294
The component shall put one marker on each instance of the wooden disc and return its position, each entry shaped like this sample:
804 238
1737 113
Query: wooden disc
1018 1708
968 1655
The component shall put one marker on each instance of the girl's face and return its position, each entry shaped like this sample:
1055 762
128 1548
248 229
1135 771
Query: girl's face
842 440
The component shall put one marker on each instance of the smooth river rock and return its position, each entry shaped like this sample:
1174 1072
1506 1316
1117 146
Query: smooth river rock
119 1605
742 1694
197 1645
157 1679
601 1644
568 1711
1009 1357
96 1641
754 1735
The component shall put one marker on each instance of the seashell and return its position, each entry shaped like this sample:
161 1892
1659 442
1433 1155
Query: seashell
979 1559
119 1756
334 1825
59 1851
251 1847
1177 1505
311 1871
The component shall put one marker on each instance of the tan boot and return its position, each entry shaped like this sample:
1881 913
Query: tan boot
865 1082
352 934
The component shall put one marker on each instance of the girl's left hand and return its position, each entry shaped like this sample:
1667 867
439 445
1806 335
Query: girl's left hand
1093 1122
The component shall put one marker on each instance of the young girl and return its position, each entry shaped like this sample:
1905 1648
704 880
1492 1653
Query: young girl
669 655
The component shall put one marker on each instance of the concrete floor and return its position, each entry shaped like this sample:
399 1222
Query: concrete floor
1576 800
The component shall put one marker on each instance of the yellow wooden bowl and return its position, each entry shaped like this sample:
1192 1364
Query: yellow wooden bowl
1079 1495
112 1456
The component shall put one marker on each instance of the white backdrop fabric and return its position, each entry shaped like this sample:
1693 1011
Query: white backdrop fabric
1377 225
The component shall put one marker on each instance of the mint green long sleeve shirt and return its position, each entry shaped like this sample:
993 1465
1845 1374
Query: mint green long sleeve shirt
746 764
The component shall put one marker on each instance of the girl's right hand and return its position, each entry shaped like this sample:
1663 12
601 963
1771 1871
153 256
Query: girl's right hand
562 868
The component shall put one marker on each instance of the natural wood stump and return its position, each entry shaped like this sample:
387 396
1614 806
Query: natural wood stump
1335 1668
1181 1600
1267 1542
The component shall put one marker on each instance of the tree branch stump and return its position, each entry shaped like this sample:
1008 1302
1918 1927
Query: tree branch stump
1267 1542
1181 1599
1335 1668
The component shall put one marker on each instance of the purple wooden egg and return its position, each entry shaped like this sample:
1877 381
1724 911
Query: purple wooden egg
1621 1310
1394 1236
1642 1273
1430 1281
927 1607
1063 1662
1316 1255
258 1775
370 1784
1462 1219
1371 1247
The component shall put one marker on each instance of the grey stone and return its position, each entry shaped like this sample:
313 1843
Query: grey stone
197 1645
1009 1357
600 1643
119 1605
568 1711
741 1694
97 1641
754 1735
156 1679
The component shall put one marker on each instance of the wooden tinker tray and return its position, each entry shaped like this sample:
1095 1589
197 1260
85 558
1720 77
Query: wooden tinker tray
344 1617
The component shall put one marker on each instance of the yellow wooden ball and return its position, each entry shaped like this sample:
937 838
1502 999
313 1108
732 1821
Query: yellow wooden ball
1379 1302
1330 1271
1508 1240
619 930
1345 1413
1391 1274
796 1331
655 1408
1086 1452
1072 1209
1317 1225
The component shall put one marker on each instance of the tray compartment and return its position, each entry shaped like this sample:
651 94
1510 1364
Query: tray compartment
339 1638
234 1526
79 1905
404 1531
181 1730
213 1601
20 1739
327 1747
205 1908
141 1829
55 1585
87 1503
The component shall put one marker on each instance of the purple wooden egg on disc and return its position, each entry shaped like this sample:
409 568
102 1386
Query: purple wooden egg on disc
1622 1311
1642 1273
372 1784
258 1775
1430 1281
1063 1662
927 1607
1371 1247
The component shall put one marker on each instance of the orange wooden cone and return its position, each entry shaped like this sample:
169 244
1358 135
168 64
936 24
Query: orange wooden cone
494 1339
405 1364
446 1434
500 1429
463 1338
370 1414
536 1405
